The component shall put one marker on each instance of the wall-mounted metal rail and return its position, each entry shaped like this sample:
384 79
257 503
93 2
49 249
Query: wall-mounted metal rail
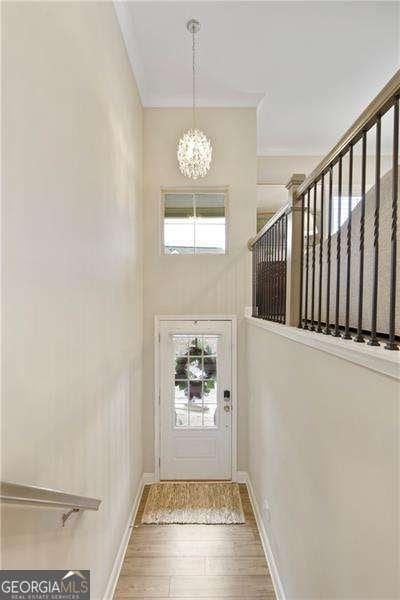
15 493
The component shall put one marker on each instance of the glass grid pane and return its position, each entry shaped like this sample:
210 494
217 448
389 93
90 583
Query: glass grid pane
195 381
194 224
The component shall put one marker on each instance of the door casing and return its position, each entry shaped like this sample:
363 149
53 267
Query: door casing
157 384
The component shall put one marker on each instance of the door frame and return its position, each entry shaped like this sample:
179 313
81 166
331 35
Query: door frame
157 384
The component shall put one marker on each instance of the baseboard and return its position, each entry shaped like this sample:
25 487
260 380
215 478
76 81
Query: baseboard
273 569
119 559
240 477
148 478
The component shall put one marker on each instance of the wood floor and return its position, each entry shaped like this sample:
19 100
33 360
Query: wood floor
195 561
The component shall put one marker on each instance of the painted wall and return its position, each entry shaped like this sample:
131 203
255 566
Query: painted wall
72 281
274 172
324 455
203 284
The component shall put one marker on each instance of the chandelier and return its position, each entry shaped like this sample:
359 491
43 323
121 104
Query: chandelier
194 148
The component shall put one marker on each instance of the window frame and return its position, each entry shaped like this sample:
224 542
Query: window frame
193 190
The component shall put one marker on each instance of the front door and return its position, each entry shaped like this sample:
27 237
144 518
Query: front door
195 399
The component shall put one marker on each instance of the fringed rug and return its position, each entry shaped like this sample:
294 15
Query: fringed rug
205 502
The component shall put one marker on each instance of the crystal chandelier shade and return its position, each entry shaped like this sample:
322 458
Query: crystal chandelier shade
194 154
194 148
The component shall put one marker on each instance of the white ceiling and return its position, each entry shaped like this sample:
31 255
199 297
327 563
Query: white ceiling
310 67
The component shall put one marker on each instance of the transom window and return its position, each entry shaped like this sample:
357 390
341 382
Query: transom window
194 223
195 380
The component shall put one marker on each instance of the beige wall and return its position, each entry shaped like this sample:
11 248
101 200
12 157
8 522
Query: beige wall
198 284
72 281
274 172
324 454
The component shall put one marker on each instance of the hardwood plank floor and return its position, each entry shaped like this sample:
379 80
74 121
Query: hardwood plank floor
201 562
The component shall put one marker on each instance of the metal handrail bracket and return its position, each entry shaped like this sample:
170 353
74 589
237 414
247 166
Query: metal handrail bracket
16 493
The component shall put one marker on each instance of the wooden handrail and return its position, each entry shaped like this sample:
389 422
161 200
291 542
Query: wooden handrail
285 209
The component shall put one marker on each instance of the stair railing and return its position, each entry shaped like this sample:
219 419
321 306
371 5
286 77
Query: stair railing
327 261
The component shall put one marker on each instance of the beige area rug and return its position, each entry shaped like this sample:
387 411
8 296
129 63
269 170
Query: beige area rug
205 502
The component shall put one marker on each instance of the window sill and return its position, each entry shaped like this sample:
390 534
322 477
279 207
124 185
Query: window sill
375 358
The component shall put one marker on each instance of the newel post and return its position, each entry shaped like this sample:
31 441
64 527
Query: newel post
293 259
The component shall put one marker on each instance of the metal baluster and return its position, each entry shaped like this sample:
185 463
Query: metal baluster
321 244
283 269
312 327
260 279
255 279
284 258
278 271
328 256
254 273
274 289
346 334
338 248
300 324
268 263
257 282
268 275
374 340
392 345
255 250
276 227
359 337
277 278
273 274
307 263
264 272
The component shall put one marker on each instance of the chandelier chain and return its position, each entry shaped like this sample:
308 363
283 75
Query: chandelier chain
194 77
194 150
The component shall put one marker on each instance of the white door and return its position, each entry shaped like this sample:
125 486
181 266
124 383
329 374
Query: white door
195 399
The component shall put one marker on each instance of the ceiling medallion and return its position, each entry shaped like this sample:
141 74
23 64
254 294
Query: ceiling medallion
194 148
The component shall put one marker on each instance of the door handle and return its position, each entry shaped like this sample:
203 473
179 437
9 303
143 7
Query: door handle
227 408
227 395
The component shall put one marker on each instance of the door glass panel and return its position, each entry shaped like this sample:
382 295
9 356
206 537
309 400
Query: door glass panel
196 399
210 415
181 414
210 391
181 391
196 346
181 367
210 367
181 403
181 344
195 368
195 391
210 345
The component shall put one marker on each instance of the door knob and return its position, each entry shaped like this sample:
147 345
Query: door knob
227 408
